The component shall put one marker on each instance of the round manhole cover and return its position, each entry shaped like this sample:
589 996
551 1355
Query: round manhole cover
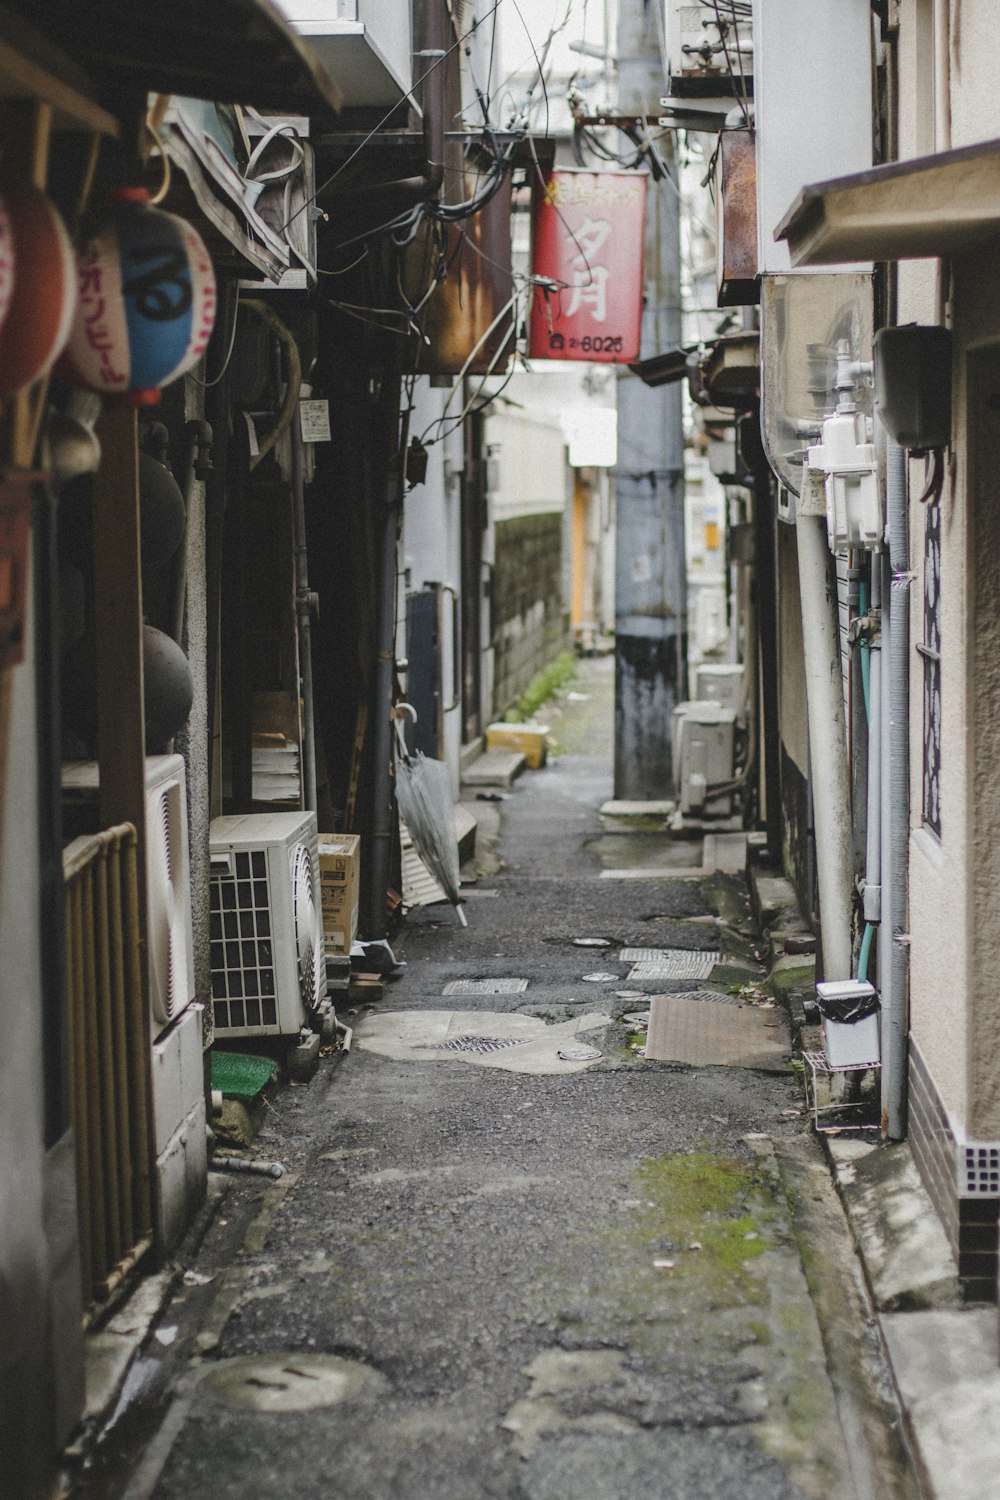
286 1383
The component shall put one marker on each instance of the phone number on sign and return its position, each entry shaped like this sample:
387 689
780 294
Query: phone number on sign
591 344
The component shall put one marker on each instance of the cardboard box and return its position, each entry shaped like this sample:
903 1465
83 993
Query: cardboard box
339 884
526 739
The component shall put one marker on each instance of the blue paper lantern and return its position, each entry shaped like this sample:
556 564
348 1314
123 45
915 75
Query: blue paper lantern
147 302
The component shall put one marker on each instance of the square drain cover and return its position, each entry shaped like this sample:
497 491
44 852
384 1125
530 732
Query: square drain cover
671 963
485 987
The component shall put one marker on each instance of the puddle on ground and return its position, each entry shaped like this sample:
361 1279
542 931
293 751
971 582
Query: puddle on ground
288 1382
642 851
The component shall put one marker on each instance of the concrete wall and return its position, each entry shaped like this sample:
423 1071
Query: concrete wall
529 515
529 620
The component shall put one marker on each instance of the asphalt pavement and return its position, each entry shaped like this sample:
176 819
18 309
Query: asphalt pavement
509 1256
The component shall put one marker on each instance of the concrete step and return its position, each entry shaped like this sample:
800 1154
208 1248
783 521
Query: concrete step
494 768
465 832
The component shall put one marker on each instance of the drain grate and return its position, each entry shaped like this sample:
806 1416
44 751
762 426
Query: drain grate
485 987
479 1043
670 963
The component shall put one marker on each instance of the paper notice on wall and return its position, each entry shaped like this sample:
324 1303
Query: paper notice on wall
314 421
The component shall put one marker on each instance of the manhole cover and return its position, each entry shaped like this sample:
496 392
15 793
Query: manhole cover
479 1043
674 963
286 1383
485 987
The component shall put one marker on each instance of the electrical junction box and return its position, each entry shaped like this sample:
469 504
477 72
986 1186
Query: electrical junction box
846 457
737 282
913 385
721 682
703 736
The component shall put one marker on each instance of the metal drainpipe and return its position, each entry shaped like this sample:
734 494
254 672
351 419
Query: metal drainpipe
305 602
895 752
382 695
827 745
873 843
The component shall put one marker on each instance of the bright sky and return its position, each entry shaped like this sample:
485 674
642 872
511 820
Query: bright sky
570 20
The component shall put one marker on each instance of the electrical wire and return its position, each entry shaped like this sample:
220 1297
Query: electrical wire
344 270
388 115
207 385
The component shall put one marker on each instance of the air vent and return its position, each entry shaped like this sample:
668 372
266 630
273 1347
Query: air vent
978 1169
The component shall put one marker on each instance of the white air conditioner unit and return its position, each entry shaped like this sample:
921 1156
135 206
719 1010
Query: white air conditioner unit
268 970
721 682
168 891
703 748
168 878
709 49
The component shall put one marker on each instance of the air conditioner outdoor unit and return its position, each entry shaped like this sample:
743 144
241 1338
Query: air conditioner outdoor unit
168 877
268 970
721 682
703 749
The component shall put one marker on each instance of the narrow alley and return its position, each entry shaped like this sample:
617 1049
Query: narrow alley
509 1256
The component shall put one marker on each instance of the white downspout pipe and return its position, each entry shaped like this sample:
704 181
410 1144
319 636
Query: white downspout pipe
893 949
827 744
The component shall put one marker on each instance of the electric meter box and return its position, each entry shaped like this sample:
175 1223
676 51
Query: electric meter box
913 385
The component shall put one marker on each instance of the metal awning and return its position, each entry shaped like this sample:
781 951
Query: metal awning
930 206
232 51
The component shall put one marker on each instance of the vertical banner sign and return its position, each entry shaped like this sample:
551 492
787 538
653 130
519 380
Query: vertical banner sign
588 230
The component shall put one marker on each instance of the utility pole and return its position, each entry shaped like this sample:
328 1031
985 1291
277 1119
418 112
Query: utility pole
651 604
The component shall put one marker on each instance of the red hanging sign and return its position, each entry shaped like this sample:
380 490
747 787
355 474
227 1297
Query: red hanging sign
587 249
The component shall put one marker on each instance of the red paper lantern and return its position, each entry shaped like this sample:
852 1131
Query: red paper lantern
6 261
147 302
40 279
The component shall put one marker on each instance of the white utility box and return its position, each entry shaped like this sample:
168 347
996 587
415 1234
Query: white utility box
849 1043
721 682
703 742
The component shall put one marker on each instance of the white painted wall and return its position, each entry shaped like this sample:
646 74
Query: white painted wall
529 448
949 1025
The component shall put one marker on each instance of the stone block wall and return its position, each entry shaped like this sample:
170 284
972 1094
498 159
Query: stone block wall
529 618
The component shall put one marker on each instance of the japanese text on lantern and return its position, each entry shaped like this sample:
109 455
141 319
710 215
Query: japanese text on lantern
587 260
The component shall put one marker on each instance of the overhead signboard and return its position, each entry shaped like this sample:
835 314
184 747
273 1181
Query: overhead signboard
588 230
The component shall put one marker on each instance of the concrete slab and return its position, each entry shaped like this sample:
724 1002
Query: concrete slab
619 809
945 1366
418 1036
494 768
725 851
900 1237
691 872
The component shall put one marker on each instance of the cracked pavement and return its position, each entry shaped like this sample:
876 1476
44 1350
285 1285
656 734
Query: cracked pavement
478 1281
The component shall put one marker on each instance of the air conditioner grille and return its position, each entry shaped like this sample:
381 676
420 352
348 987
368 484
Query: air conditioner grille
243 977
306 923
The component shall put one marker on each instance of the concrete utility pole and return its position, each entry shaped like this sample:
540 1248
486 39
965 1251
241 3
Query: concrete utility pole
651 605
